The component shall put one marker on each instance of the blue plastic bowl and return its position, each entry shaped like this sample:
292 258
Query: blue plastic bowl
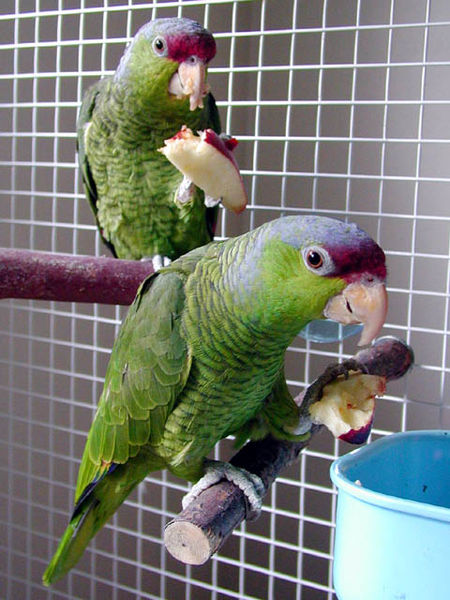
393 519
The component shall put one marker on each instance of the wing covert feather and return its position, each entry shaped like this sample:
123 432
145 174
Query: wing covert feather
88 106
84 118
148 368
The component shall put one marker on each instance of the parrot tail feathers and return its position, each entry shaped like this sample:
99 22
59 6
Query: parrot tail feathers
95 505
89 489
73 543
88 516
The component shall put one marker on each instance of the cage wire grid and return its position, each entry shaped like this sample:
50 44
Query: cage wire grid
341 108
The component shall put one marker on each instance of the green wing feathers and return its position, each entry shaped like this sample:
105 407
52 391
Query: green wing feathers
84 118
87 108
148 368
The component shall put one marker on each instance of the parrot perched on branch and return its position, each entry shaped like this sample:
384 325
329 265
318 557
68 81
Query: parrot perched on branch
143 205
200 355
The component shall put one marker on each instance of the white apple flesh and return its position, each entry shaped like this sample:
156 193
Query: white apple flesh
206 159
347 406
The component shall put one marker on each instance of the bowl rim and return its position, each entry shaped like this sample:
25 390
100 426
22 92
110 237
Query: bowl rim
340 465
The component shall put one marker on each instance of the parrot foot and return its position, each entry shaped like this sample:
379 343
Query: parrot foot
211 202
313 393
215 470
159 261
332 372
185 191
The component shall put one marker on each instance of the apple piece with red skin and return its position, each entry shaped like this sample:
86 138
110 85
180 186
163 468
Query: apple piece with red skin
207 160
347 406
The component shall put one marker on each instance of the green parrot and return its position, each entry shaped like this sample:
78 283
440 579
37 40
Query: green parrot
200 355
143 206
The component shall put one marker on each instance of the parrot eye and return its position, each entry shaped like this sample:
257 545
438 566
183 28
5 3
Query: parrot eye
314 259
159 46
317 259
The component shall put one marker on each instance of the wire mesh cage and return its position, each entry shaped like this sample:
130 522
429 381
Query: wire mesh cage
341 108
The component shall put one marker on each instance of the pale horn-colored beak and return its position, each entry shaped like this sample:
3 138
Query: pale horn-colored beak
189 80
360 303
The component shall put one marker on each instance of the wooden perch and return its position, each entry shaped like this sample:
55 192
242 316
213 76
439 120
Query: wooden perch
201 528
66 278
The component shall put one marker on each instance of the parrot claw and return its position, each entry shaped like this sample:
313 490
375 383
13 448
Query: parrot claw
185 191
215 470
314 391
159 261
211 202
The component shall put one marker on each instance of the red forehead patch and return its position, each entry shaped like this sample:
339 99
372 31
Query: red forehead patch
181 47
366 257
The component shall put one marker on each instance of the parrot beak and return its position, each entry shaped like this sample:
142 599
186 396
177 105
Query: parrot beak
189 80
360 303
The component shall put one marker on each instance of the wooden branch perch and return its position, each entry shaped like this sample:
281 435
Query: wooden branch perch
66 278
201 528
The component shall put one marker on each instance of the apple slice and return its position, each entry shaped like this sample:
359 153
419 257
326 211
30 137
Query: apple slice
347 406
207 160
